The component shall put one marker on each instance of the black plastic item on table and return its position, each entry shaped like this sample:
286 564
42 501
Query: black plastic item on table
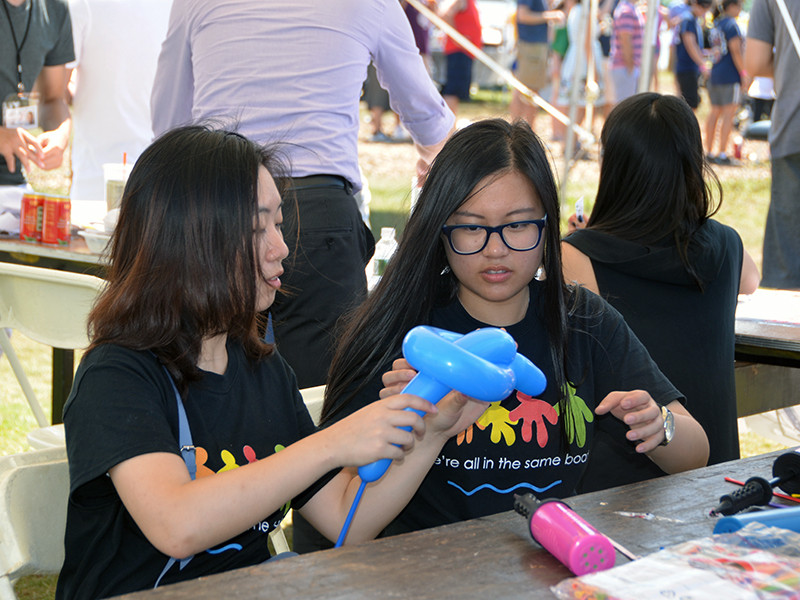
757 491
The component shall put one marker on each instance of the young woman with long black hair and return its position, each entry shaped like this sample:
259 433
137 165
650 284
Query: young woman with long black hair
187 437
651 248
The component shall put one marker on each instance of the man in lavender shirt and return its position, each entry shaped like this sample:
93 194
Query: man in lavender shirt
292 72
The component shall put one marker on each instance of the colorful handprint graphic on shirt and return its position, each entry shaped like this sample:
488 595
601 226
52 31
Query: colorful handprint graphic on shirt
498 419
534 411
580 415
465 435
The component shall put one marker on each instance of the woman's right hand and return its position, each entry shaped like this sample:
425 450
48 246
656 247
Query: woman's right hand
374 432
573 224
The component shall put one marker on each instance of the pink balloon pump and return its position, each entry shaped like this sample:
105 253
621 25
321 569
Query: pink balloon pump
565 535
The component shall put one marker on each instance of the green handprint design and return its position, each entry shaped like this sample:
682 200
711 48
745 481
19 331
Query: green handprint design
498 418
580 414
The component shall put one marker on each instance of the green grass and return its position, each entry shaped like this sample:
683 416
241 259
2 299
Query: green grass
390 204
16 418
744 207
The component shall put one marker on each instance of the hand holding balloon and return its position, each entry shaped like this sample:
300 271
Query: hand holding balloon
483 364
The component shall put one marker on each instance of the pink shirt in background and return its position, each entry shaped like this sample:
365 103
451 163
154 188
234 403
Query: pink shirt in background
627 19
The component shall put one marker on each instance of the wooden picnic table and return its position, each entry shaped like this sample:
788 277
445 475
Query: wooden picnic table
768 328
491 557
767 351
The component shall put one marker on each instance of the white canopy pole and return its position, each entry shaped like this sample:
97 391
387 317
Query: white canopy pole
577 75
591 83
507 75
648 46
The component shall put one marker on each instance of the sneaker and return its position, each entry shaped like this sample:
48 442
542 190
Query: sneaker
724 159
711 159
380 137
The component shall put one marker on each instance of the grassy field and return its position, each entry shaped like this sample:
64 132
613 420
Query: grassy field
389 168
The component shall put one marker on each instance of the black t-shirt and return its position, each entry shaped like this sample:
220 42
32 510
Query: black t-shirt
688 332
515 447
123 405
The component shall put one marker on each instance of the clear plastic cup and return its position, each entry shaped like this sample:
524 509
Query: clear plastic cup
115 176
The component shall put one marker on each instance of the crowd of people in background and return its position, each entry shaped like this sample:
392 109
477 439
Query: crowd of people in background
704 48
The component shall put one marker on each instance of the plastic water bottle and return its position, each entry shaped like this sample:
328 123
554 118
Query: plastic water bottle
384 250
415 190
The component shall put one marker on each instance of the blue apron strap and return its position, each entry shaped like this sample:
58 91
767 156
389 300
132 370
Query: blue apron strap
188 454
185 436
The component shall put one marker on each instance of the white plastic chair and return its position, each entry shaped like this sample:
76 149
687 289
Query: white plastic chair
49 307
313 398
34 488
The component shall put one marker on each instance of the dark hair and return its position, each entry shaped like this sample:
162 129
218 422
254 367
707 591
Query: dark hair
183 263
654 180
413 285
722 5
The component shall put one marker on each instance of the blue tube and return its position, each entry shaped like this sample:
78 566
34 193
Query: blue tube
349 519
785 518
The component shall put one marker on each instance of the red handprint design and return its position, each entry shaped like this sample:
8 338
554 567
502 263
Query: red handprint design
530 411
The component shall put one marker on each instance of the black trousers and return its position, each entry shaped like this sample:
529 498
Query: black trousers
329 248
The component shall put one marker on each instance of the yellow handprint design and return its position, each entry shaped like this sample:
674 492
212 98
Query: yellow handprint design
580 414
497 417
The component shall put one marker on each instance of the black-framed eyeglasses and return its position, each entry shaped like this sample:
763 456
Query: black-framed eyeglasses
520 236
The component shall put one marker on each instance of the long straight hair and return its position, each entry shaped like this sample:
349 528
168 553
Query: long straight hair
413 283
183 261
654 180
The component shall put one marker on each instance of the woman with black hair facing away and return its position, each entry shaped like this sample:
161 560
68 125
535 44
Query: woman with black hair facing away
177 389
651 249
487 220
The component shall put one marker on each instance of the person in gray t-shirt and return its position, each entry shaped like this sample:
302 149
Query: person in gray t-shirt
767 29
39 32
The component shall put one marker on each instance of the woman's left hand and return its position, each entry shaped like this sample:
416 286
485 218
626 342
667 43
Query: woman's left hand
395 381
639 411
456 411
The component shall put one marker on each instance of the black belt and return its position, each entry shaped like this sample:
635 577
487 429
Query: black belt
318 181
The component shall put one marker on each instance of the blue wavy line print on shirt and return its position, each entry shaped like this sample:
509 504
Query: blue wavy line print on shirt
499 491
236 547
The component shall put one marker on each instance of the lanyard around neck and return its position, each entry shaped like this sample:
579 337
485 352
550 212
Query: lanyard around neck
18 47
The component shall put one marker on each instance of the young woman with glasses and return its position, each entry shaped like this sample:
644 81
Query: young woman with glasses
481 249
